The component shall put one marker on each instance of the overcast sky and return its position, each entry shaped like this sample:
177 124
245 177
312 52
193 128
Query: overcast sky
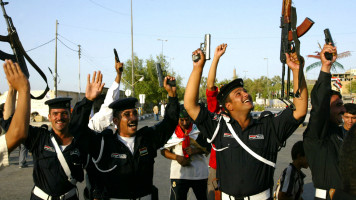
250 28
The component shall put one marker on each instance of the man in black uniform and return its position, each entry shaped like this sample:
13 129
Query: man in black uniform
246 148
323 136
126 158
56 155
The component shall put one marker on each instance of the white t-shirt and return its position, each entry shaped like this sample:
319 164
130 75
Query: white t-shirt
4 155
197 170
129 142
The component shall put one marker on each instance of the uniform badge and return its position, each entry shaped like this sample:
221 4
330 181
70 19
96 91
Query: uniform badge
117 155
75 152
229 135
48 148
143 151
174 184
256 137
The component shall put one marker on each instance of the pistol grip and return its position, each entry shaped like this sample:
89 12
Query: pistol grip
196 58
328 56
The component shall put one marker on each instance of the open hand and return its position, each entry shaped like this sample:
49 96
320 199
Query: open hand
94 87
15 77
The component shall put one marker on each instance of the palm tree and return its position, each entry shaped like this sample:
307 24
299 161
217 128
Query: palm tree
335 64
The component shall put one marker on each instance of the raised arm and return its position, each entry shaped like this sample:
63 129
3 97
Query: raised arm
9 107
301 102
219 51
192 89
19 126
320 96
103 118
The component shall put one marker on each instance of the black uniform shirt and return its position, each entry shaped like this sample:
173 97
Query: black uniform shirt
48 173
322 138
125 175
241 174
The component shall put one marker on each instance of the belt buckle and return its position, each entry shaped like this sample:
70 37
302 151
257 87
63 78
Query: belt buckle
62 197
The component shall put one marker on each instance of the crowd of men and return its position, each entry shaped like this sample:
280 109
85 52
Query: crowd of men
99 141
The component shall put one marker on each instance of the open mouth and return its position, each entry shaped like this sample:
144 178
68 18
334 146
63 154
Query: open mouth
247 101
132 125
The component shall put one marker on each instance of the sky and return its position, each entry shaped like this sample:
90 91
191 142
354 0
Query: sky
250 28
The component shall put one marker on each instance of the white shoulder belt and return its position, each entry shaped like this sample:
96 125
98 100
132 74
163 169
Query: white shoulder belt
243 145
63 161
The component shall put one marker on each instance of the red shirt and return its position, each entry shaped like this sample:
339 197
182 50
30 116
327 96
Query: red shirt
213 106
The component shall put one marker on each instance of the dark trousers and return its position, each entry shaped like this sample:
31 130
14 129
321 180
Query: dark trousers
23 155
180 188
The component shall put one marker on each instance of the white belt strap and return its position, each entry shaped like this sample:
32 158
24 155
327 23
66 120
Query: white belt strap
320 193
243 145
147 197
39 193
63 162
260 196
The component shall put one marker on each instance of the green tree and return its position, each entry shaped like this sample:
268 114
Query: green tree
150 86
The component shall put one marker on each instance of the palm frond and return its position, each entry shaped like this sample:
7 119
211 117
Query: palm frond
344 54
337 65
312 66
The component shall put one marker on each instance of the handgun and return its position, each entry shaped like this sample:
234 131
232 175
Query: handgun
205 47
118 59
328 39
161 77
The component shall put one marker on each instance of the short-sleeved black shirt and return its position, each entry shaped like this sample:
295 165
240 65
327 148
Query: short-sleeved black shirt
241 174
48 173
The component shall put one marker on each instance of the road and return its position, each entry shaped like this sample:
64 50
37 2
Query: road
16 184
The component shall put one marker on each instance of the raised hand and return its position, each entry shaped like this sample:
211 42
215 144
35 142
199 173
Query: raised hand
95 86
325 62
201 61
170 89
220 50
292 61
15 77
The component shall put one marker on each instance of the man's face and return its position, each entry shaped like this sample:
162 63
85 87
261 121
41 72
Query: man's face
349 120
128 122
59 118
337 109
184 123
240 100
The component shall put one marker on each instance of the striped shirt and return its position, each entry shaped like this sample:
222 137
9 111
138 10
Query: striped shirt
290 182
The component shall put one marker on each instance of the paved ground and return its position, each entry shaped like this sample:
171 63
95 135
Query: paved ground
16 184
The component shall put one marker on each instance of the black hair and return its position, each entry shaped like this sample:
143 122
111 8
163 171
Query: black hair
297 149
347 164
350 108
117 113
333 92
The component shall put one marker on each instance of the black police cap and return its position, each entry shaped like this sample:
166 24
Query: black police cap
123 104
226 89
61 102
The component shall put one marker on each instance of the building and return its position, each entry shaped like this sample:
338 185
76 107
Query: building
39 107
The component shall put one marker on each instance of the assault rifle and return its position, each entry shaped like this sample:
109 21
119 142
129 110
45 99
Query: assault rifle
19 53
290 44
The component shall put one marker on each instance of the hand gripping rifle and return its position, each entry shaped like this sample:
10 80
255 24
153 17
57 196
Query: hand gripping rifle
19 52
290 44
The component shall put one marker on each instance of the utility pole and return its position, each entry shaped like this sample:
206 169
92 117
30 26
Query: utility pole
267 80
245 74
55 64
162 44
79 51
132 58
